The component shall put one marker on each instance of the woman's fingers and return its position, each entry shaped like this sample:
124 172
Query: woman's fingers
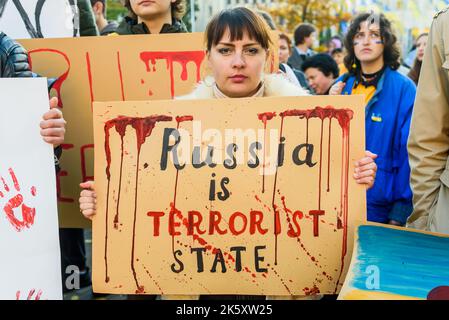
365 173
367 181
87 185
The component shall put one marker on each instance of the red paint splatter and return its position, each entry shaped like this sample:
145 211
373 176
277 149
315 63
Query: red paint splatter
312 291
182 57
179 120
58 83
282 280
264 117
17 202
143 127
344 117
287 211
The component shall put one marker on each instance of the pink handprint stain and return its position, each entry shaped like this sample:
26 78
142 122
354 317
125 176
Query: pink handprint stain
30 295
16 203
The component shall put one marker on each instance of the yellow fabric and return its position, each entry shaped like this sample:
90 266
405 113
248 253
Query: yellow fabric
368 92
342 69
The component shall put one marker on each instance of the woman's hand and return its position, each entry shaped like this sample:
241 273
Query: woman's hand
53 125
365 170
88 200
337 88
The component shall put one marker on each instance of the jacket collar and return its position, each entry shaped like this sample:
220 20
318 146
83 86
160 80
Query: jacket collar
352 80
274 85
131 26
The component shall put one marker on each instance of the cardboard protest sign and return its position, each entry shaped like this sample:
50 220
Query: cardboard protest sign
23 19
29 242
226 196
392 263
114 68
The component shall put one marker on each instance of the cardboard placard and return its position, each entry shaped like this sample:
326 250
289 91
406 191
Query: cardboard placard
29 242
226 196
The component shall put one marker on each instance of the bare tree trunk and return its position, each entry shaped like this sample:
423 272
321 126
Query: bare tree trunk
305 10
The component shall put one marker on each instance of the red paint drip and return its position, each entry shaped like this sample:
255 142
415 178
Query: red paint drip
344 117
120 75
33 191
273 205
329 156
182 57
264 117
143 127
178 120
89 76
58 83
321 161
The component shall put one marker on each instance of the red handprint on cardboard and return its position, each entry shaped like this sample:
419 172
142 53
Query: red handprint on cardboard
15 203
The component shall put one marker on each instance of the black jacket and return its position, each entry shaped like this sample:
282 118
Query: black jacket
130 26
13 59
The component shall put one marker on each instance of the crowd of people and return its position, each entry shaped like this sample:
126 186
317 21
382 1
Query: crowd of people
405 171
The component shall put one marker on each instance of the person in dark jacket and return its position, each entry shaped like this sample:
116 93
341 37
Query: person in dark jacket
87 25
14 64
162 16
321 71
304 35
104 26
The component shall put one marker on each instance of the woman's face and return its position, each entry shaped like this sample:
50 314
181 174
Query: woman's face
368 44
318 81
147 9
284 51
237 65
420 47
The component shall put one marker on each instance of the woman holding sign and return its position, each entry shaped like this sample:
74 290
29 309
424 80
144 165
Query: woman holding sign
238 44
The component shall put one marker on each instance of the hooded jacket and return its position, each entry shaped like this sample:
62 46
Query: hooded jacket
130 26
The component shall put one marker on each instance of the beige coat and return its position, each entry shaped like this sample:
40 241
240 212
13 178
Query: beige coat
428 143
276 85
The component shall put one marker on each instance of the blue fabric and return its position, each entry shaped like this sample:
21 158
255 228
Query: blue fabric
387 124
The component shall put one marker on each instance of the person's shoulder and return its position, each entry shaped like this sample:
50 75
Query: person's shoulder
398 77
440 14
278 85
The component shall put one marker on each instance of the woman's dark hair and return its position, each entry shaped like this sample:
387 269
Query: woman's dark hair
391 53
416 70
238 21
304 30
323 62
178 9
